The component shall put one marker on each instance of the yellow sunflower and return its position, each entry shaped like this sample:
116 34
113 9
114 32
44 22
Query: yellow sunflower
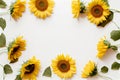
97 12
64 66
76 8
89 70
17 8
102 46
30 69
41 8
15 48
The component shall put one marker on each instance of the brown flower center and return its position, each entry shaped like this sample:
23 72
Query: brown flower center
41 5
29 69
15 50
97 11
63 66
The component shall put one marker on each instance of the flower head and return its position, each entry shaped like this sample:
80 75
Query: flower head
41 8
64 66
17 8
89 70
102 46
15 48
30 69
97 11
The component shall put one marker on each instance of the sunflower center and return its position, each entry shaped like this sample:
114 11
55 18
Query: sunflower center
41 5
29 69
63 66
97 11
15 50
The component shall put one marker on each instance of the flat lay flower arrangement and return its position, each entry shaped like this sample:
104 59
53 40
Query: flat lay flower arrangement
98 12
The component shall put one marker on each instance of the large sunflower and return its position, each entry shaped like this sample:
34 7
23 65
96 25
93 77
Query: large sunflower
102 46
15 48
17 8
41 8
98 11
64 66
89 70
76 8
30 69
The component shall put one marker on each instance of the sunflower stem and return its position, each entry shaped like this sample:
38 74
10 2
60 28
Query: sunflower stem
3 72
116 24
4 13
104 77
115 10
4 50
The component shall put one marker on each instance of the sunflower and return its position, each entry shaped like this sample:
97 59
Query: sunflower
41 8
76 8
102 46
64 66
30 69
89 70
15 48
17 8
98 11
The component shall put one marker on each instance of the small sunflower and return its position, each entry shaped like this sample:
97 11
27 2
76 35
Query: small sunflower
64 66
89 70
76 8
30 69
98 11
17 8
41 8
102 46
15 48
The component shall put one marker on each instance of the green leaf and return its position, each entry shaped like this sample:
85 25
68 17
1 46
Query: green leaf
106 2
104 69
115 35
47 72
108 19
114 47
2 40
2 23
2 4
118 56
7 69
18 77
115 66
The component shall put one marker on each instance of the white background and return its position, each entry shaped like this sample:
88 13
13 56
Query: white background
60 33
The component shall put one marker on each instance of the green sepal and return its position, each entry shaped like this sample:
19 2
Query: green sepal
18 77
2 4
106 42
115 35
106 1
118 56
7 69
2 23
114 47
47 72
10 45
108 19
104 69
2 40
82 8
115 66
11 8
94 72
